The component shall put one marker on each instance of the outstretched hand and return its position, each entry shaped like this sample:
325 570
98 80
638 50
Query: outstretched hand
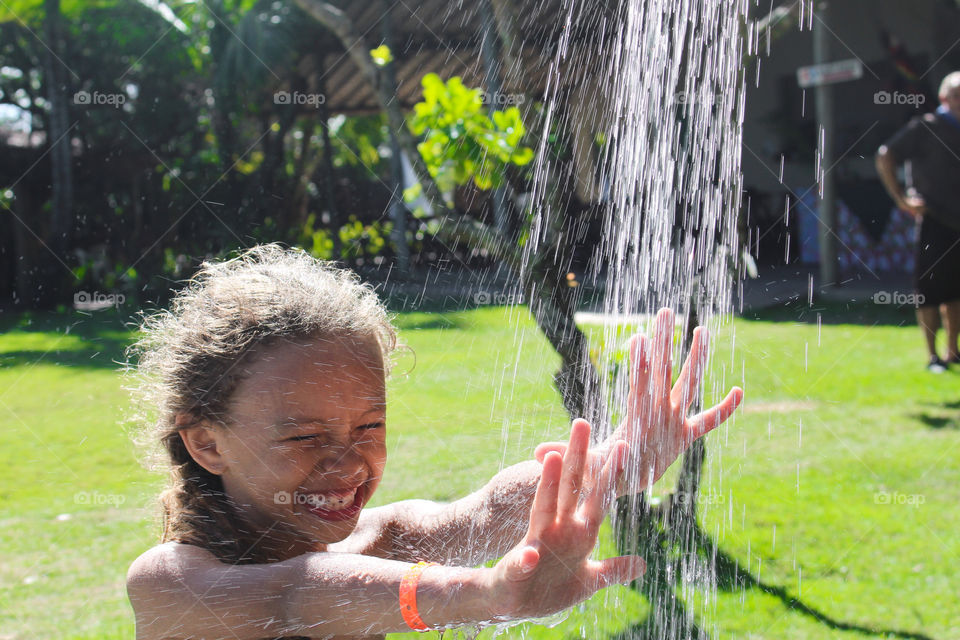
656 425
550 569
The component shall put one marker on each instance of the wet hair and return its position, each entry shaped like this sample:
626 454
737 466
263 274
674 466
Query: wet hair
190 359
951 81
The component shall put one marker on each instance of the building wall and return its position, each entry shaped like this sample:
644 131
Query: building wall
780 118
927 28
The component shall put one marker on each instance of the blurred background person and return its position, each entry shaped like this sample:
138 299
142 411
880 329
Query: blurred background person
930 143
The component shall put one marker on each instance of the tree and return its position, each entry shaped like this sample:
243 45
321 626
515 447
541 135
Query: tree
543 279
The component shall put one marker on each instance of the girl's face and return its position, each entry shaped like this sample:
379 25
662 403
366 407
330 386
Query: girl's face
306 444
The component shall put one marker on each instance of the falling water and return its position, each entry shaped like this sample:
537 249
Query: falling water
663 81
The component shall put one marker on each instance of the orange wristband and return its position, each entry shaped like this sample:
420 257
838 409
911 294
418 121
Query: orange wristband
408 596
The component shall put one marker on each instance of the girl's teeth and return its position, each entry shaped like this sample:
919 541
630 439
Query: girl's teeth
331 502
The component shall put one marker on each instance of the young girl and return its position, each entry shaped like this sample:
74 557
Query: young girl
268 375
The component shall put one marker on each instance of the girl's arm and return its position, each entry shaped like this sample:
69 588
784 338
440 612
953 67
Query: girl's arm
183 591
180 591
480 527
485 524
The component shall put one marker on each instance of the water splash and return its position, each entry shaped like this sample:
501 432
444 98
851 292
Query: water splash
666 85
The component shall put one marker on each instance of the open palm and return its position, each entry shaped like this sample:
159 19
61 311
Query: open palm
656 425
550 569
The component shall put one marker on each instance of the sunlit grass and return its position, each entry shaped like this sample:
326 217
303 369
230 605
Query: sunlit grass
845 446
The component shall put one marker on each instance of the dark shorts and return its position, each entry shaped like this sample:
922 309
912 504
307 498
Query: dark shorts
937 277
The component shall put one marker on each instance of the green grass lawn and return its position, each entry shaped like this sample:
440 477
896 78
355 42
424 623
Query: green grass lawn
836 487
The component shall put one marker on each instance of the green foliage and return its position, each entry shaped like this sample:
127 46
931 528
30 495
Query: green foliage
357 240
461 141
356 142
360 240
31 12
318 242
382 55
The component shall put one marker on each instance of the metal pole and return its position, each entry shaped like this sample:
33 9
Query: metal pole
827 208
494 88
398 210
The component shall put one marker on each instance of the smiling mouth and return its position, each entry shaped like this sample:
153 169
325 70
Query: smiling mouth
334 506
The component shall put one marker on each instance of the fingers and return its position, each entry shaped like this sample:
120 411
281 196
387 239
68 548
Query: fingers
661 361
574 461
595 505
639 363
543 513
687 388
546 447
712 418
618 570
639 377
522 564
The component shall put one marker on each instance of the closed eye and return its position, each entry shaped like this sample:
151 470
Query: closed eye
372 425
301 438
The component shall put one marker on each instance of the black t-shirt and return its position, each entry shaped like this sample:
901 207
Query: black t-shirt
932 145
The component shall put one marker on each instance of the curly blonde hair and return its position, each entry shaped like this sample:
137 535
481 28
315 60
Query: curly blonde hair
188 364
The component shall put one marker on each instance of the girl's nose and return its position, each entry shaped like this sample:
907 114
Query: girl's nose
344 459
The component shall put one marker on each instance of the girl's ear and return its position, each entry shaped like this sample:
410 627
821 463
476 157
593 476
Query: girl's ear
203 443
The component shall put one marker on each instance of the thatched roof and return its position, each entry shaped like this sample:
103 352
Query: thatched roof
445 37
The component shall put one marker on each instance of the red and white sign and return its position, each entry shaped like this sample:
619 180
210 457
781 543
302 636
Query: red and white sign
829 73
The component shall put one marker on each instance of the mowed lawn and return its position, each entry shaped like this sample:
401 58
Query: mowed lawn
837 486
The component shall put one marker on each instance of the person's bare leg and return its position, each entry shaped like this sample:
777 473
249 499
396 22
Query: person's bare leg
950 313
929 320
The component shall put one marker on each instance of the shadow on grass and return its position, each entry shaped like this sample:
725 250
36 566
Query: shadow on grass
98 340
432 320
937 421
831 312
680 547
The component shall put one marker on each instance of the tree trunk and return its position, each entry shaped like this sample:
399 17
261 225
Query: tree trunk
551 302
58 134
27 247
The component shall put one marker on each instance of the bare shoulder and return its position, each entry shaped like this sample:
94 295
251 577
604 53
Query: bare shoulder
158 564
